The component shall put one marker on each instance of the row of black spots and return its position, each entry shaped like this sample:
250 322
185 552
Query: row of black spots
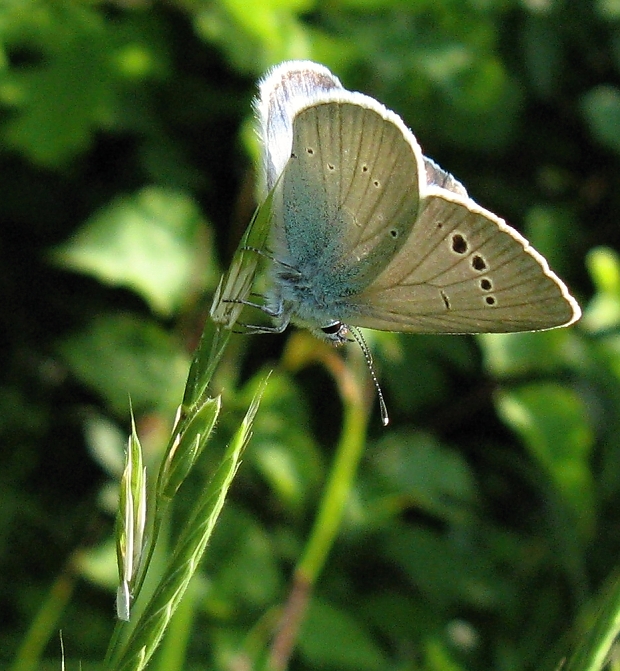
364 168
486 285
460 246
331 167
375 182
394 233
478 263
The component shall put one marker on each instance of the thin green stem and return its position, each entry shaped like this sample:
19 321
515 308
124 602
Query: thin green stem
337 490
327 523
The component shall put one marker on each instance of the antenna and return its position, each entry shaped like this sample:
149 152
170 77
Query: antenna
359 339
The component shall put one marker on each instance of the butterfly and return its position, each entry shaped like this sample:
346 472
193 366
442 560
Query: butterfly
368 232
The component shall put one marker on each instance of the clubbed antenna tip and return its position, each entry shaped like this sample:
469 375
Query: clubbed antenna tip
359 339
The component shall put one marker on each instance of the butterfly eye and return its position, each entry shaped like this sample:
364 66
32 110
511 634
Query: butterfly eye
332 329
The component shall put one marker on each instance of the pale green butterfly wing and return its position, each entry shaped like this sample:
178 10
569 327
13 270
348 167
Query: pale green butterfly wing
339 212
286 89
368 231
462 270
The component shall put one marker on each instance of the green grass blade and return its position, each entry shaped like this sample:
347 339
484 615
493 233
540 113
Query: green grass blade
187 554
595 645
234 287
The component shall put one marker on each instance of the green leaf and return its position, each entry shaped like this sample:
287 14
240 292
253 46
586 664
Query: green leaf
83 74
332 638
608 9
448 574
256 33
599 631
421 473
601 108
428 358
242 565
554 424
511 354
121 357
551 231
282 450
542 53
603 311
65 97
98 564
148 242
399 616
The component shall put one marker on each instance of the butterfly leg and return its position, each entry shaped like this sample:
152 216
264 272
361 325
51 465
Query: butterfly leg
291 270
261 252
277 313
270 312
253 329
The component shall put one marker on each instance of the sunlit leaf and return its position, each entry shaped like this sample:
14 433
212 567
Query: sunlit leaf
554 424
152 242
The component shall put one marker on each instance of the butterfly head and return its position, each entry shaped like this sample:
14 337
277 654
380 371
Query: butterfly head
336 333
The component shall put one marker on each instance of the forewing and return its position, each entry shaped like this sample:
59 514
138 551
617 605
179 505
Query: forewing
350 190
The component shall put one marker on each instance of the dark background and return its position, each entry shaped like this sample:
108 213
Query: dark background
486 516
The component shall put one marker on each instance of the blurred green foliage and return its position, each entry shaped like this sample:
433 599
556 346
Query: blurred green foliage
485 520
